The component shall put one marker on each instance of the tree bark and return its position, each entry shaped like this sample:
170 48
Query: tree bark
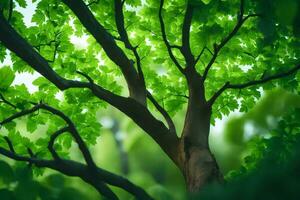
197 163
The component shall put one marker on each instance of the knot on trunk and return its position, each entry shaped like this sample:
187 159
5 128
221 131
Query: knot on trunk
200 166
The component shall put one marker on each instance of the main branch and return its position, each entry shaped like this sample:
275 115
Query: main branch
119 17
112 50
129 106
186 48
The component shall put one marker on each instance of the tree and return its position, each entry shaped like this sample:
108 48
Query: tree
213 54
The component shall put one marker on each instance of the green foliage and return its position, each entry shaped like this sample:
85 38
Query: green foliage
21 186
271 169
264 45
243 131
7 76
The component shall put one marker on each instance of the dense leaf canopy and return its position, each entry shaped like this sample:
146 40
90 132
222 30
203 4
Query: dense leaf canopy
263 46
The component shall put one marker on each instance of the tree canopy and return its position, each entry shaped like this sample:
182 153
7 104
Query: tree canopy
150 60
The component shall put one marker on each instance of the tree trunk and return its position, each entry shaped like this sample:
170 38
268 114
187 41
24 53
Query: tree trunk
199 168
196 161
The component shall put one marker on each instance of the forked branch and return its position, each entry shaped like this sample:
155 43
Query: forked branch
164 113
112 50
92 175
201 53
71 127
136 111
119 17
186 47
218 47
165 39
99 178
53 137
228 85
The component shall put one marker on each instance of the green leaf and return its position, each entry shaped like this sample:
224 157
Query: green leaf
7 76
206 1
22 3
31 125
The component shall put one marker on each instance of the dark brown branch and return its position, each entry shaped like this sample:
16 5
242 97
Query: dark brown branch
52 140
75 169
9 143
218 47
163 112
14 156
30 152
264 80
176 47
86 76
142 117
55 52
201 53
19 114
186 48
250 54
95 181
181 95
105 190
165 39
72 129
112 50
67 167
119 17
136 111
228 85
14 42
218 93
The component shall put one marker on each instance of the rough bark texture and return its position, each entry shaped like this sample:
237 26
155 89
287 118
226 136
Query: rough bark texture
197 163
200 168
